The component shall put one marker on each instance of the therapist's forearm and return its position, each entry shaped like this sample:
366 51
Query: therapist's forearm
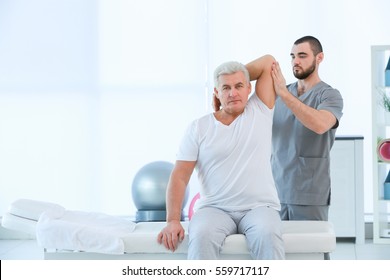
319 121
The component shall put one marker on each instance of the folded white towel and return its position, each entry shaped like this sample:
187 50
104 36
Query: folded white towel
32 209
83 231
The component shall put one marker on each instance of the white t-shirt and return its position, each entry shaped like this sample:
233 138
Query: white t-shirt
233 162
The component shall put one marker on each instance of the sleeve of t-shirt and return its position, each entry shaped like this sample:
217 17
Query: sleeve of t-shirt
254 99
189 147
332 102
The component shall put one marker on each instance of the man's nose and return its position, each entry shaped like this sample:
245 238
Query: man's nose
233 92
295 61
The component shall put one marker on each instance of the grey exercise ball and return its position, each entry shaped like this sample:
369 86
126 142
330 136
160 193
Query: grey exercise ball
149 191
150 184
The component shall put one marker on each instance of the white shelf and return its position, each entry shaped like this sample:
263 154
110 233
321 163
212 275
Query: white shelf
380 129
346 210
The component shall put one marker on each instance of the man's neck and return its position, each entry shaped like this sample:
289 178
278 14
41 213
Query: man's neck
307 84
226 117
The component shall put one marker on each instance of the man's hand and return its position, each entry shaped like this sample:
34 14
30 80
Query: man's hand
279 80
171 235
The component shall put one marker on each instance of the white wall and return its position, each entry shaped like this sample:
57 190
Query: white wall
90 91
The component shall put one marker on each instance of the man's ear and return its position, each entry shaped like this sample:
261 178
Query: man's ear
320 57
216 92
216 101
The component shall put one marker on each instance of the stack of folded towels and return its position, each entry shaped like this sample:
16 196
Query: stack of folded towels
57 227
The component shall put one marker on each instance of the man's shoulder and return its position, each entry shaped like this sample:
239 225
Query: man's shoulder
323 86
327 91
202 122
205 118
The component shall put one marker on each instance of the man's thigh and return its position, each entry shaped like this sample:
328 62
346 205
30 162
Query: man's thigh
211 220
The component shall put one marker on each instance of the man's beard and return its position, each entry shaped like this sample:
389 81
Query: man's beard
306 73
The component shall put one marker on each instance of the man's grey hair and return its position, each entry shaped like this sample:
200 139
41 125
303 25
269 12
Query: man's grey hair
228 68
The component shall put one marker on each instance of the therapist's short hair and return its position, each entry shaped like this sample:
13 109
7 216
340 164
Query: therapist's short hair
315 44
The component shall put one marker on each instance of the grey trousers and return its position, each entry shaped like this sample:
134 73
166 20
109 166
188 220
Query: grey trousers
304 212
261 226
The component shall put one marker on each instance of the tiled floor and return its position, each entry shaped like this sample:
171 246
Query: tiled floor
345 250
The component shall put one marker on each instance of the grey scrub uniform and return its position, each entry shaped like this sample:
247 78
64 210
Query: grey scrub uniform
300 157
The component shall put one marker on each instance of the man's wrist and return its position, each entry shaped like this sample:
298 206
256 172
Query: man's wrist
173 220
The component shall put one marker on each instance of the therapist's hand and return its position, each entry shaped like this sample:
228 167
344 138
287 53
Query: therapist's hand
171 235
279 81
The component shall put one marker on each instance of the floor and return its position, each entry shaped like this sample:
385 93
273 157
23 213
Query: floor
345 250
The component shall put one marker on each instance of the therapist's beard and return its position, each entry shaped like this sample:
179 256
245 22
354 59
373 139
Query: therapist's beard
306 73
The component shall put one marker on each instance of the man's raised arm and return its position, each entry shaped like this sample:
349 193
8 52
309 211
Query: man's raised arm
260 70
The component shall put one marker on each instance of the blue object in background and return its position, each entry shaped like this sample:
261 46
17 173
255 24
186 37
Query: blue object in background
386 187
387 74
386 192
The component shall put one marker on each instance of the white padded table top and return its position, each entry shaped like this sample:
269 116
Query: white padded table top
299 237
308 236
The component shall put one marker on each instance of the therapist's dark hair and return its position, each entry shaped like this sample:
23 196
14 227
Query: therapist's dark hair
315 44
